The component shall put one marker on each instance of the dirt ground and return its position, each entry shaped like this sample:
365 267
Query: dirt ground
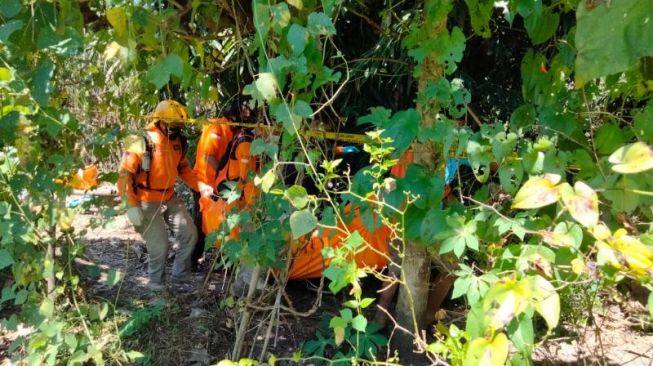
197 325
208 320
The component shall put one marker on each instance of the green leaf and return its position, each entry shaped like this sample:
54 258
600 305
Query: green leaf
118 20
259 146
460 287
7 29
291 122
320 24
113 277
159 74
546 301
523 116
643 124
606 46
541 27
8 126
302 222
520 331
480 12
280 16
46 308
40 85
297 196
366 302
297 38
359 323
354 241
302 109
9 8
609 138
264 88
267 181
650 304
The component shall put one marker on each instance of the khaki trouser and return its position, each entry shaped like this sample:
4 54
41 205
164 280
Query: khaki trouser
153 229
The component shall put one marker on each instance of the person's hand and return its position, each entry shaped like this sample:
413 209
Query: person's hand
205 189
135 215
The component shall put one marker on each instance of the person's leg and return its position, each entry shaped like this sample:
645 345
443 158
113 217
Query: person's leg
154 233
182 226
198 250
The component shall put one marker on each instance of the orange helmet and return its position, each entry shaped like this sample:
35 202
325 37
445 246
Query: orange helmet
170 112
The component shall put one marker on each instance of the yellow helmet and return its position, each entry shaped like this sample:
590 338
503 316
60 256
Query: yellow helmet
170 112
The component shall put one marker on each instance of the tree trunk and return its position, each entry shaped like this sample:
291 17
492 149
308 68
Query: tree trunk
413 297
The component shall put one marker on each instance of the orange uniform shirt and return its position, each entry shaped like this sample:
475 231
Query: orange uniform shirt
211 147
166 164
309 263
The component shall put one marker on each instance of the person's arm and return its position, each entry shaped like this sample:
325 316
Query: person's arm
127 178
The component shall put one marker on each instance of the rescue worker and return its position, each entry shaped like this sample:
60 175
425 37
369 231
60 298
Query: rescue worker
222 156
148 171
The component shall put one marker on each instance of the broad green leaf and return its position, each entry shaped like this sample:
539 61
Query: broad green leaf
302 109
302 222
354 241
299 4
359 323
537 192
366 302
297 196
159 74
650 304
483 352
320 24
259 146
291 122
609 138
297 38
7 29
582 203
643 124
118 20
606 46
40 85
520 331
9 8
461 286
541 27
261 14
546 301
5 75
633 158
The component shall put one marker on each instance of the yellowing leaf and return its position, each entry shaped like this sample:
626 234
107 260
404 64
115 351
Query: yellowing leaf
601 232
483 352
505 300
578 266
537 192
556 239
582 203
339 335
135 144
546 300
633 158
118 20
638 256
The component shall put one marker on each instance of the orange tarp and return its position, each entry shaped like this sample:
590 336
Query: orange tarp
309 263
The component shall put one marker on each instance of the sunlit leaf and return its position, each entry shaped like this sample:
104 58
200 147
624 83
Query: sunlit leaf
537 192
582 203
297 196
633 158
546 301
483 352
118 20
302 222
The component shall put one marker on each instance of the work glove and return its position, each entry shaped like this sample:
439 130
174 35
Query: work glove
205 189
135 215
